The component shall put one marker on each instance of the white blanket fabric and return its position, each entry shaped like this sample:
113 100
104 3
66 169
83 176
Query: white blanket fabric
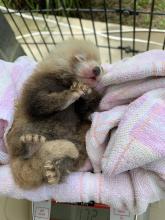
126 140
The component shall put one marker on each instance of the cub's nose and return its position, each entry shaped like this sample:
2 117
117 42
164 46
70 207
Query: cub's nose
96 70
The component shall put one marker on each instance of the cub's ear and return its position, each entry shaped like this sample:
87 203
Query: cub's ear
80 57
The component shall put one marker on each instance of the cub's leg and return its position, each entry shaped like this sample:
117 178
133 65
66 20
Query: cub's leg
41 101
27 173
31 143
32 172
22 142
58 167
62 154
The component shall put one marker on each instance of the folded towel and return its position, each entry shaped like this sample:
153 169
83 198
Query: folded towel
12 77
127 136
126 139
132 77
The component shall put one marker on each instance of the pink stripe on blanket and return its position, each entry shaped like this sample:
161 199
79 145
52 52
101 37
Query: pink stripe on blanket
81 186
151 131
3 125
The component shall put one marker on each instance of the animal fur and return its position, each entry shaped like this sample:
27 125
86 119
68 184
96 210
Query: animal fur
47 138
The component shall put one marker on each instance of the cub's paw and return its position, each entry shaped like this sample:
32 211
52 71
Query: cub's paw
52 172
33 138
81 88
30 144
76 91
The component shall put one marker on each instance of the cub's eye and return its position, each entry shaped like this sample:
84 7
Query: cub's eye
80 57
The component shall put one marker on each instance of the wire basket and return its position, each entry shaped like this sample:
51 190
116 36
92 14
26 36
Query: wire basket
38 30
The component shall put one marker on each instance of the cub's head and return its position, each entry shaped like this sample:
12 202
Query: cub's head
81 60
86 69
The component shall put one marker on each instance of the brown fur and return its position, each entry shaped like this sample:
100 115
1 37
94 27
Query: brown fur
51 116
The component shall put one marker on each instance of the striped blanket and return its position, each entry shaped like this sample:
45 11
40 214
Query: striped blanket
126 140
12 76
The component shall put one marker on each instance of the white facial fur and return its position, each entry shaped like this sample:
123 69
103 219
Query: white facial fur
84 70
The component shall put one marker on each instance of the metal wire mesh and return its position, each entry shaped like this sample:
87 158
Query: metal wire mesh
38 30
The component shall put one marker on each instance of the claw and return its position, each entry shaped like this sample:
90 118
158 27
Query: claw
68 171
51 172
48 167
58 162
32 138
74 85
